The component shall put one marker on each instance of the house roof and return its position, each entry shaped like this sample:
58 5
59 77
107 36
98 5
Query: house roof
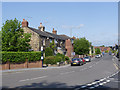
55 35
65 37
40 32
48 34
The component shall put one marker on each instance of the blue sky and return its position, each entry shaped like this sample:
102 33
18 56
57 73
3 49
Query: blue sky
97 21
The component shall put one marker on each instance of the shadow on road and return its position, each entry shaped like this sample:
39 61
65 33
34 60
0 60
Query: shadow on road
53 86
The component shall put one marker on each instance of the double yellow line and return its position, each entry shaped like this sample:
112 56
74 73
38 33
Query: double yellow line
116 66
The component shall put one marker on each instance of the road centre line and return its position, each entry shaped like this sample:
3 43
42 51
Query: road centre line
97 83
66 72
32 79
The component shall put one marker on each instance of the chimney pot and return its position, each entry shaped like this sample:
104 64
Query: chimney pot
24 23
41 27
54 31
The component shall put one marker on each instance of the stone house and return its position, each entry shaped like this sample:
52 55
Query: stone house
40 37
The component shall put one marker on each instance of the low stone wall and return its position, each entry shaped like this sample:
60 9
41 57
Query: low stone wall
21 65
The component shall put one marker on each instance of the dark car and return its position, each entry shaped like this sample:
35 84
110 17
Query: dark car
87 58
76 61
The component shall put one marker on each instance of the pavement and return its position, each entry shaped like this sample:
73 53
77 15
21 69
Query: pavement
94 74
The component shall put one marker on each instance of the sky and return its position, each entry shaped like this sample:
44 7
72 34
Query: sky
96 21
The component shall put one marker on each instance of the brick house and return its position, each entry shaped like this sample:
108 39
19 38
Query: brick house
103 49
40 37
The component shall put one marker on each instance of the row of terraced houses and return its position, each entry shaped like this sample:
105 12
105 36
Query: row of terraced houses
40 37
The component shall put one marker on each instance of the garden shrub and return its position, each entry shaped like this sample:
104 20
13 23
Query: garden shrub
48 52
49 60
61 55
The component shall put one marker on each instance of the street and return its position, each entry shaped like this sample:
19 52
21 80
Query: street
99 73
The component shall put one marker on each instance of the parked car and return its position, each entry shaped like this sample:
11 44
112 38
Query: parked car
98 56
83 60
76 61
87 58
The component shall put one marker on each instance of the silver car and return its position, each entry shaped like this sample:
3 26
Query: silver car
87 58
98 56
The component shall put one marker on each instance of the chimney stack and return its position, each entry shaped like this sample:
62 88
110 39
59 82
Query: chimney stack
24 23
54 31
41 27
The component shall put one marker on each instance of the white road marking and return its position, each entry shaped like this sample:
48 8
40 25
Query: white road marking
83 86
104 82
108 76
89 84
101 79
108 81
67 72
96 85
32 79
101 84
92 87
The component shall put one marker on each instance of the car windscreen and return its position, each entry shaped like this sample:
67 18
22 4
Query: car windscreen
75 59
86 57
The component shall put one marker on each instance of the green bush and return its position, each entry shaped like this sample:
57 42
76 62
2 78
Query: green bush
58 58
48 52
20 57
49 60
61 55
106 51
67 58
54 59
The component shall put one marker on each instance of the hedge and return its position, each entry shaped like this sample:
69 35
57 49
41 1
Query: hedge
54 59
20 57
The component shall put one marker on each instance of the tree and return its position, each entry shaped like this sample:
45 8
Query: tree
48 52
102 46
97 51
81 46
0 41
13 37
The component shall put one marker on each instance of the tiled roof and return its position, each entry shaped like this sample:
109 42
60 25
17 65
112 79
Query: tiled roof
61 37
41 33
55 36
65 37
48 34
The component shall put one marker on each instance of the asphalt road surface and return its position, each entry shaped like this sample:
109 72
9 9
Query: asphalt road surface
99 73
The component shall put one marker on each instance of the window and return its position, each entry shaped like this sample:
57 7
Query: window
55 41
50 40
44 42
